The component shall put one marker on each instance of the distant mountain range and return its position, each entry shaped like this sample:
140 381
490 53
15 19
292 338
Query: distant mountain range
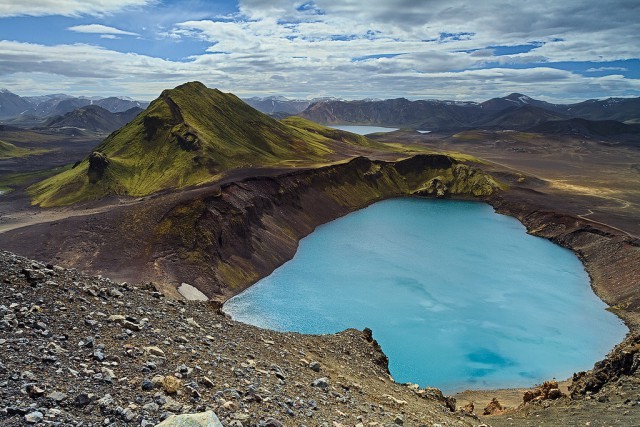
13 106
515 111
281 106
95 118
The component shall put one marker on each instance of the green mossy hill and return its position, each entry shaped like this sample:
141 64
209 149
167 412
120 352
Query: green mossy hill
8 151
190 135
334 134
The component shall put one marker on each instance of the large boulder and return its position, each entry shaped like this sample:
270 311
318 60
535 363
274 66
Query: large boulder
549 390
202 419
98 163
493 408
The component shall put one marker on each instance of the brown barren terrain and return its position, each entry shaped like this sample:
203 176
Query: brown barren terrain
579 193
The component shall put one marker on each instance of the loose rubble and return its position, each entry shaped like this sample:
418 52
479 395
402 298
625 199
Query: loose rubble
86 351
549 390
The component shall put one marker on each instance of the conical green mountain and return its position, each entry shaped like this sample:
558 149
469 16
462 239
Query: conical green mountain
190 135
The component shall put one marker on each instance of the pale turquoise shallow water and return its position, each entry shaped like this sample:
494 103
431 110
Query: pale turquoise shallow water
457 295
364 130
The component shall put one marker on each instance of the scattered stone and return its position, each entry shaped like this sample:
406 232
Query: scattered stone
107 374
33 275
82 399
41 326
315 366
549 390
321 383
105 401
115 293
203 419
191 293
193 323
130 325
151 407
279 373
157 380
493 408
49 358
171 384
87 342
53 413
34 417
57 396
399 402
154 351
34 391
147 385
128 414
99 355
118 318
172 406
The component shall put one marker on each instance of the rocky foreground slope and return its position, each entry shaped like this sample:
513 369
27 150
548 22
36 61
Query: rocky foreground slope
87 351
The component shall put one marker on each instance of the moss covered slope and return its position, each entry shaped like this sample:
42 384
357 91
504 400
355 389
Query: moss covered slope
8 151
189 135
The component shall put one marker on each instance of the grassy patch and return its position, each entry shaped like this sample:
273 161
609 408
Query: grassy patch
473 135
11 181
8 151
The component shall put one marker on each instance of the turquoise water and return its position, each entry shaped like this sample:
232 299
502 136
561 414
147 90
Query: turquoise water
458 296
364 130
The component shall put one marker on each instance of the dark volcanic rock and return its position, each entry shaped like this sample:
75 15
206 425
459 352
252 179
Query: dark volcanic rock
98 163
623 360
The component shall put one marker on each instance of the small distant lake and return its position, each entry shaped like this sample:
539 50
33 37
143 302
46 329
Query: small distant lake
364 130
458 296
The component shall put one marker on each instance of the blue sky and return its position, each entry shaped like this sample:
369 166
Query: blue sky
445 49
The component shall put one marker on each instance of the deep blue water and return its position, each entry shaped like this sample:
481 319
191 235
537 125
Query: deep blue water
458 296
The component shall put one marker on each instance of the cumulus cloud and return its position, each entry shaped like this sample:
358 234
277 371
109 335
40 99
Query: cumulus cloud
599 69
443 49
87 61
100 29
603 30
66 7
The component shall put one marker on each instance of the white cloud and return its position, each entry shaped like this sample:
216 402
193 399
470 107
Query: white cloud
100 29
598 69
84 61
443 49
66 7
596 30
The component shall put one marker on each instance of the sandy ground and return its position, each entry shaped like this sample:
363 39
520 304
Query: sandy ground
509 398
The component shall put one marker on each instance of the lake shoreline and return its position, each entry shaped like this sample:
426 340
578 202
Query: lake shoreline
432 266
